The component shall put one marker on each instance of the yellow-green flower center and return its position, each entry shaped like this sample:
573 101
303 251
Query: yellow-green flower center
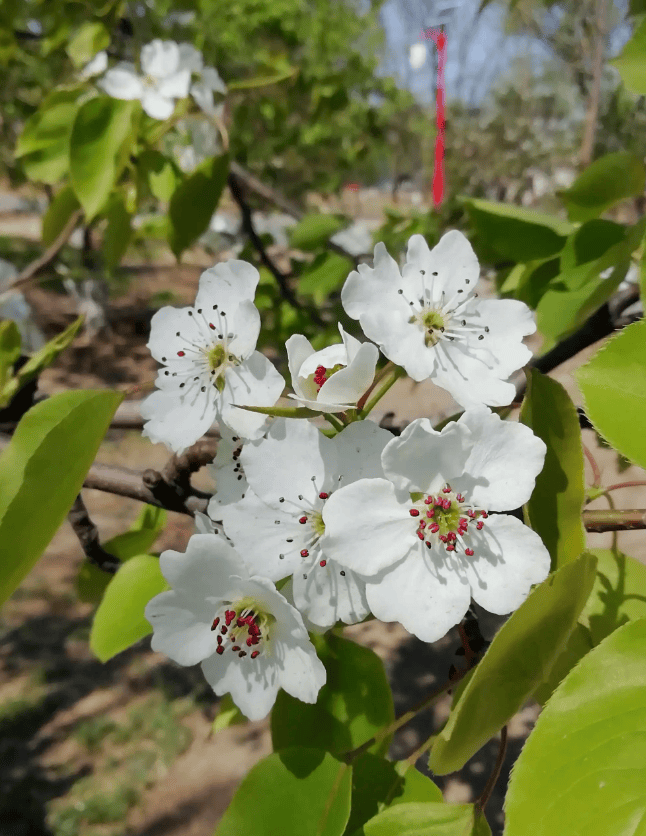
433 322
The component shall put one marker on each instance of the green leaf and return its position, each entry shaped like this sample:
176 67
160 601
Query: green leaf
228 715
119 620
313 231
58 214
262 81
102 137
43 358
607 181
283 411
555 506
160 172
44 144
516 233
89 39
613 384
517 661
10 344
618 595
354 704
323 276
41 472
632 61
579 643
91 582
428 820
582 768
296 792
194 202
118 231
378 783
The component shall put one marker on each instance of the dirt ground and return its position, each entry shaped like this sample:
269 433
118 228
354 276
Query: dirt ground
126 748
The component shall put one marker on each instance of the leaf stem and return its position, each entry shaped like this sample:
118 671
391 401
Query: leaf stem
481 803
332 419
395 373
596 473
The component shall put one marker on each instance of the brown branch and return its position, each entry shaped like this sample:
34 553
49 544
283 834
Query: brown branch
614 520
481 803
36 266
88 535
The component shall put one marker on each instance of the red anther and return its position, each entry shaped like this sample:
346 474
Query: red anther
250 642
181 353
241 622
211 326
460 498
319 376
484 515
223 630
420 534
463 521
414 512
229 615
242 653
444 538
428 500
452 535
471 513
322 562
323 495
219 639
430 514
219 650
305 553
236 647
450 548
254 654
303 520
254 629
446 504
216 621
434 528
447 489
469 552
422 524
479 525
439 502
428 545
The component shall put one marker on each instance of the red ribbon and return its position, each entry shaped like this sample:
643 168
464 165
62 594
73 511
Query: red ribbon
439 38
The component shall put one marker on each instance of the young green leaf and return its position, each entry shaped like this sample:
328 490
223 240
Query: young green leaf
607 181
431 819
614 391
554 508
194 202
582 768
313 231
295 792
228 715
632 61
119 621
352 706
58 214
91 37
102 136
41 472
10 344
518 660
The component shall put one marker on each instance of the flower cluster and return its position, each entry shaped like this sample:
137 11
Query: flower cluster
354 521
167 69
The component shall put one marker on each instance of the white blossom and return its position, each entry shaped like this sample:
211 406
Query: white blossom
96 66
207 83
428 319
227 471
423 538
210 366
333 379
278 524
162 81
248 638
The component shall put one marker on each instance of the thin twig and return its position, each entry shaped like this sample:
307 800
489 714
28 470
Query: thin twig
88 535
596 473
614 520
36 266
638 483
481 803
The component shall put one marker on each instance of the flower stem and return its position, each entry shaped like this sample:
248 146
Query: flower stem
362 400
394 373
481 803
332 419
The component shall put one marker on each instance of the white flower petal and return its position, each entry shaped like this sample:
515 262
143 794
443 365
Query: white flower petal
327 596
204 524
253 687
299 349
509 557
204 570
452 259
227 284
182 634
470 379
422 594
331 355
244 324
508 320
422 459
255 382
122 82
359 447
190 58
226 472
504 461
156 105
163 343
211 79
262 533
349 384
175 86
302 673
95 66
175 422
366 528
160 59
367 288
